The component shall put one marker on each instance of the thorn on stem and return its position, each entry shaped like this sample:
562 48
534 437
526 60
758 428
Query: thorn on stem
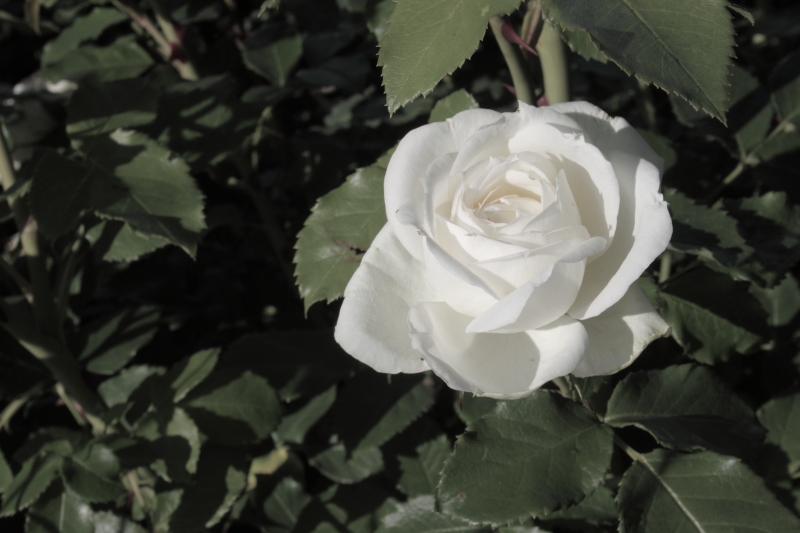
511 36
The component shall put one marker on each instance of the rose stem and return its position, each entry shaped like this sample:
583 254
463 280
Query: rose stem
553 59
515 62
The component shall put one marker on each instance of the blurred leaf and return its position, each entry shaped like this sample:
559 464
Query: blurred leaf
685 407
275 60
781 302
528 457
107 522
710 314
286 502
451 105
683 48
743 12
188 373
117 389
61 510
470 408
334 464
124 58
116 241
780 417
581 43
391 408
379 14
161 199
421 474
784 84
30 482
98 109
6 475
296 363
425 42
85 28
750 113
60 192
221 477
88 485
666 491
234 407
110 345
339 230
294 426
417 515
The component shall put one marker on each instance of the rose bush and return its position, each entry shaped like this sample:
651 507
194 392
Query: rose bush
511 253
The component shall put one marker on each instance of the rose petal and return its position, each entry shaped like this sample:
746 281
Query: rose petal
619 334
501 366
541 300
373 320
410 162
609 133
643 232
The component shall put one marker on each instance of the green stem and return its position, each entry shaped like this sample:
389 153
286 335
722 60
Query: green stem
633 454
21 282
563 386
515 62
648 109
555 70
185 67
65 279
727 180
43 303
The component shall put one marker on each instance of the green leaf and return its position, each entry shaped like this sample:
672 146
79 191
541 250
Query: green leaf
191 371
750 115
781 417
98 109
470 408
421 474
334 464
30 482
276 60
704 492
161 199
427 41
451 105
581 43
60 192
341 227
685 407
124 58
286 502
221 477
596 509
528 457
111 344
61 510
88 485
234 407
86 28
417 515
294 426
117 389
684 47
6 475
296 364
710 314
107 522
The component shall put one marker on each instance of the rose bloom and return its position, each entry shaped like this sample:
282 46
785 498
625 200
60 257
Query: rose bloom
512 251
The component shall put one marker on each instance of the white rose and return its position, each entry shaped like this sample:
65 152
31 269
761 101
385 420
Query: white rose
512 250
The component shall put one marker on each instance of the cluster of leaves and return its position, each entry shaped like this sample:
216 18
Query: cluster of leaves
168 153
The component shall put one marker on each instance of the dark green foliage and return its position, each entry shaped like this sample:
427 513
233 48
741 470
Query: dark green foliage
198 174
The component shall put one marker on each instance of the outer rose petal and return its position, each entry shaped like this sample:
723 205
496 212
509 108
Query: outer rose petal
510 365
644 229
409 164
620 333
373 320
609 133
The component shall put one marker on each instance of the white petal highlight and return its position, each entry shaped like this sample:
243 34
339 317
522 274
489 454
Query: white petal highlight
643 232
373 320
618 335
502 366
